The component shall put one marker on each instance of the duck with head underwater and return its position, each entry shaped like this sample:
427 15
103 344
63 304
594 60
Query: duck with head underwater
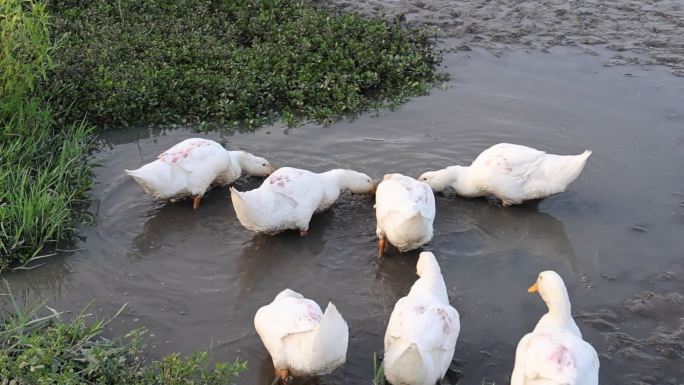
290 196
510 172
302 340
190 167
421 335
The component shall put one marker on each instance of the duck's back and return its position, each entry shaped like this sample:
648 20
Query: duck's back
188 168
405 211
282 318
399 193
555 357
503 168
299 185
285 200
514 173
420 340
197 156
300 337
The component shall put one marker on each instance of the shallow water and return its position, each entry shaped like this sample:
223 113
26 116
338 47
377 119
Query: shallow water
196 278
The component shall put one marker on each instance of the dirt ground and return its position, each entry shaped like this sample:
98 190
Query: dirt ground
638 32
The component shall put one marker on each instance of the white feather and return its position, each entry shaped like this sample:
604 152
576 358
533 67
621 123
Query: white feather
300 337
190 167
290 196
421 335
555 353
510 172
405 211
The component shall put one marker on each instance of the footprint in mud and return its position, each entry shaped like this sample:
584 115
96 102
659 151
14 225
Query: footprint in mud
645 335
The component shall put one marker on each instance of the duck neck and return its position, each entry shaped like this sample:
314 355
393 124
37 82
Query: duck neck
237 158
431 283
559 316
334 181
559 309
337 178
462 181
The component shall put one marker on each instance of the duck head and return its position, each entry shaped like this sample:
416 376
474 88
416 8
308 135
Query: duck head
254 165
354 181
551 288
440 179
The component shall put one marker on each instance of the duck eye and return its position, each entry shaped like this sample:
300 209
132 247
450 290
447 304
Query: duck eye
263 164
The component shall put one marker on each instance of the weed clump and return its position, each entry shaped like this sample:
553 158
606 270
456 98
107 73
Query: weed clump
43 168
128 62
43 349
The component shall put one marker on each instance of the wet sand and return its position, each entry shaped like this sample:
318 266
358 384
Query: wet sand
196 278
638 32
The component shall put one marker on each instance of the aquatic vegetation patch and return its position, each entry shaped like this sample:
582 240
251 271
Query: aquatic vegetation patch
43 167
129 62
44 349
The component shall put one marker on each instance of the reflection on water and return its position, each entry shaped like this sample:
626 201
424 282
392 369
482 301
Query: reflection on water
195 278
267 262
523 228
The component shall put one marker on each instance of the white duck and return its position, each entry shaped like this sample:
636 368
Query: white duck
510 172
405 211
422 331
289 197
191 166
554 353
299 337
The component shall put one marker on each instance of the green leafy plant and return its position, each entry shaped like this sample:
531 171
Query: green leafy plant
44 349
128 62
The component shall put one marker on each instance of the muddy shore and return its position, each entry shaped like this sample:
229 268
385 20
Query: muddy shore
636 32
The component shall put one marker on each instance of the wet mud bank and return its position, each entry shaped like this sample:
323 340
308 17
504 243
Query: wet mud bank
636 32
647 331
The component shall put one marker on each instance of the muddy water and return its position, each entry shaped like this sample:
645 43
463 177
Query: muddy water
196 278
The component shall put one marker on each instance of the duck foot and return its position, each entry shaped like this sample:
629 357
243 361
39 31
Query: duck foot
495 201
303 232
284 376
195 202
381 247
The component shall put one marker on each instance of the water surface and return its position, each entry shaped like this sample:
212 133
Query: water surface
196 278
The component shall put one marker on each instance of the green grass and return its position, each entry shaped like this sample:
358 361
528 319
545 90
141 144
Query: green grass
44 349
128 62
378 371
43 169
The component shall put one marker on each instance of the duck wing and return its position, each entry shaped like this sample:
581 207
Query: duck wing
192 154
285 316
300 186
507 160
428 324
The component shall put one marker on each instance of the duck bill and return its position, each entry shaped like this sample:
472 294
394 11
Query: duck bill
534 288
